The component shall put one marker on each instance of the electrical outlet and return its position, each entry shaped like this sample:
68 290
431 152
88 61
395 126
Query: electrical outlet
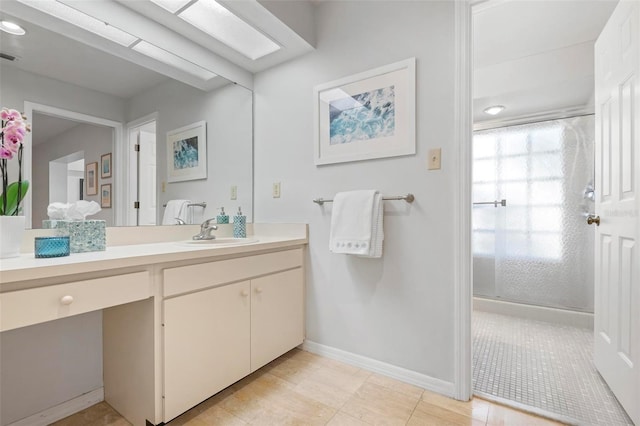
234 192
276 189
433 163
164 186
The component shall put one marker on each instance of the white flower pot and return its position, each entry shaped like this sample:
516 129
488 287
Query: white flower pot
11 234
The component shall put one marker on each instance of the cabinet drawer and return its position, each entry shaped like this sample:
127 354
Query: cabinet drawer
185 279
36 305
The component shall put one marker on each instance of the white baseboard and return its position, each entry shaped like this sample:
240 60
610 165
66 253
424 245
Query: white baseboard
538 313
408 376
63 410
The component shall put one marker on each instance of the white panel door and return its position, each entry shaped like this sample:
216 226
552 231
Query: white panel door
147 178
617 257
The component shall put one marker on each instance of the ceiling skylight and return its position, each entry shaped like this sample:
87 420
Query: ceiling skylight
220 23
82 20
173 60
171 5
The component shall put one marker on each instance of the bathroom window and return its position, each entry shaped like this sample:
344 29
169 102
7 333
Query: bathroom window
524 165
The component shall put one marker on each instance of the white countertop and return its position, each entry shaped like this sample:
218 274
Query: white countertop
27 267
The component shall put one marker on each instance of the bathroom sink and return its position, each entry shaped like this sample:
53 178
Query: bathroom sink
223 241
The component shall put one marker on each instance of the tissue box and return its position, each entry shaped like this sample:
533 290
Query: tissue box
84 235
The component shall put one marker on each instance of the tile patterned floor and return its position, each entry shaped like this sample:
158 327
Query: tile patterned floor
542 365
301 388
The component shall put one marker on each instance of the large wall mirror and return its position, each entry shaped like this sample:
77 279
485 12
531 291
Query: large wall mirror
90 109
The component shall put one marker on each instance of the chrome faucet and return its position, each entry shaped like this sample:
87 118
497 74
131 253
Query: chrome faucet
180 221
205 230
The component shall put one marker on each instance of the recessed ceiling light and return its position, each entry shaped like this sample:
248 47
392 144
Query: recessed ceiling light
221 24
82 20
11 28
494 110
169 58
171 5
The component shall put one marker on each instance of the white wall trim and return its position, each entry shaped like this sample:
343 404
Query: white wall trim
462 204
119 168
399 373
63 410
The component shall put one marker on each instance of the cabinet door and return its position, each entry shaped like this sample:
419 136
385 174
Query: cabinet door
277 316
206 345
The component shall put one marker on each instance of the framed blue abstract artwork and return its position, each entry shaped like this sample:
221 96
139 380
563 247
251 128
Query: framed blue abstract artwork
367 115
187 152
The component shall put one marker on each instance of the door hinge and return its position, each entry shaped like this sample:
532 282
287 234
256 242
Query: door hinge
136 204
136 147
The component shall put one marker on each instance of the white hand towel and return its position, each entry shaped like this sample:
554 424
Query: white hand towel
176 209
356 223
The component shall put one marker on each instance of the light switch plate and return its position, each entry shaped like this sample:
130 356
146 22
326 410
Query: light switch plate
276 189
234 192
433 162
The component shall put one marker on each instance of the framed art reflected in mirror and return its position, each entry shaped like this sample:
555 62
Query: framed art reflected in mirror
105 196
91 178
105 166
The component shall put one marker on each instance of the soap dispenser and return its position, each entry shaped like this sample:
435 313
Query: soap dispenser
239 225
222 216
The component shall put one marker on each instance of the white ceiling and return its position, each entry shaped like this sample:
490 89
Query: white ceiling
535 57
63 51
47 53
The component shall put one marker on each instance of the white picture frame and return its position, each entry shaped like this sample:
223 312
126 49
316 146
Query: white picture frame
187 153
367 115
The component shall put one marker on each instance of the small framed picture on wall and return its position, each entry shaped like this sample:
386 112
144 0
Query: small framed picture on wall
91 178
105 166
105 196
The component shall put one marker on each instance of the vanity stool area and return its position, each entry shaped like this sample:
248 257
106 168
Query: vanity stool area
180 321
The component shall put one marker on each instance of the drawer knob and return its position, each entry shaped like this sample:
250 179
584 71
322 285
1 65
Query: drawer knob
258 289
66 300
244 293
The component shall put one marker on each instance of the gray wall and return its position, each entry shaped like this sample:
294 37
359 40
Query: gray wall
398 309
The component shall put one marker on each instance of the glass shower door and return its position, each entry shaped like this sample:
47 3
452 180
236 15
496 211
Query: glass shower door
537 249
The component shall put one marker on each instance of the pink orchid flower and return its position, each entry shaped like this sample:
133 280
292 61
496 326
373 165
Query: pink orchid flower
15 126
10 115
5 153
13 136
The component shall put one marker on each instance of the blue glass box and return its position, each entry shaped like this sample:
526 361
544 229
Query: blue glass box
45 247
85 235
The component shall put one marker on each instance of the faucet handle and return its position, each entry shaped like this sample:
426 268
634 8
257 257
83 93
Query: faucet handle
207 224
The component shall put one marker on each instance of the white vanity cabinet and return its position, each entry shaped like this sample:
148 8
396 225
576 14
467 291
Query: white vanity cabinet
179 323
223 320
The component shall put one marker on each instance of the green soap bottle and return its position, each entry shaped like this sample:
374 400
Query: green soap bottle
222 217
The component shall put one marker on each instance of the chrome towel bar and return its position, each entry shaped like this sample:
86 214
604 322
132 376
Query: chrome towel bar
202 204
495 203
409 198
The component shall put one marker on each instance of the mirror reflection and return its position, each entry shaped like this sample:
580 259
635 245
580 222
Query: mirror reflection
93 111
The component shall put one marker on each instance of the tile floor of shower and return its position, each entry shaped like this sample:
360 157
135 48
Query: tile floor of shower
544 367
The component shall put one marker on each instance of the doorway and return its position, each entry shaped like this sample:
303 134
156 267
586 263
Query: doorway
142 209
70 121
532 254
